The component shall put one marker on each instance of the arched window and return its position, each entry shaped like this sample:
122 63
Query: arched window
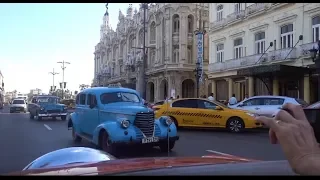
176 23
122 49
153 33
219 12
114 53
175 58
132 41
189 55
286 39
141 38
260 41
316 28
190 24
220 52
238 48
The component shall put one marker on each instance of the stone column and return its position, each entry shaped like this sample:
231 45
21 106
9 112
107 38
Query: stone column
275 86
214 88
251 86
230 87
306 88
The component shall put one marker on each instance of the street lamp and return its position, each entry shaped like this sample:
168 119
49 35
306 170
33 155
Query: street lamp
316 59
197 72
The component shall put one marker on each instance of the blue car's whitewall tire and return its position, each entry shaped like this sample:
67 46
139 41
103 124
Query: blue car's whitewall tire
75 137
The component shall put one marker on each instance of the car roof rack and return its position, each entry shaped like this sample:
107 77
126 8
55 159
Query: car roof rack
118 85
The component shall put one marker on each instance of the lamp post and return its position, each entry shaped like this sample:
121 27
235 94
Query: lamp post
316 59
63 67
197 72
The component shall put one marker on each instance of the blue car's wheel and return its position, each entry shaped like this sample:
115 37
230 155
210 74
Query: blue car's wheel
105 144
75 137
165 146
37 117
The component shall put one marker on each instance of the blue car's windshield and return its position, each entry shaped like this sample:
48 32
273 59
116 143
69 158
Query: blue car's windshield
119 97
50 100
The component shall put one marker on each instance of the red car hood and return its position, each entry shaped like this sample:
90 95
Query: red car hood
138 164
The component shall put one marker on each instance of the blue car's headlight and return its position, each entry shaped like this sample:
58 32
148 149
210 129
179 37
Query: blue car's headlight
166 120
42 109
125 123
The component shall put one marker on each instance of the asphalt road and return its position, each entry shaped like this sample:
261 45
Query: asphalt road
23 140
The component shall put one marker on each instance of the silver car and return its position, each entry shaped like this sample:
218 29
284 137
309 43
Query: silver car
18 105
266 105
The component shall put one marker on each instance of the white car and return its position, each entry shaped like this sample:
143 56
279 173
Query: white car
18 105
266 105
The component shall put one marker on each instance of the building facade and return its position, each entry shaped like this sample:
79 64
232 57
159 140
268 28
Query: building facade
171 53
36 91
263 48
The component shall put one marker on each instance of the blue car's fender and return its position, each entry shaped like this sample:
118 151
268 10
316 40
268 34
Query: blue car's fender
164 128
73 122
115 132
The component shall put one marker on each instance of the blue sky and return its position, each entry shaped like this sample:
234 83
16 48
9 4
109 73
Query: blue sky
33 37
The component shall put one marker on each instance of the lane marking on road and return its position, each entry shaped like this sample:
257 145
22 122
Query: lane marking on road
220 153
48 127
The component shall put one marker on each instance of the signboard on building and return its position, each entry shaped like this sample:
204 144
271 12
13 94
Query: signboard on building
200 52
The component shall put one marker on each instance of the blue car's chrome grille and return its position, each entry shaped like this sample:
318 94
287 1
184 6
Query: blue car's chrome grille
145 122
54 111
139 135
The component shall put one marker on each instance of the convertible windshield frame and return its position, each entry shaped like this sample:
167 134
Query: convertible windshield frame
125 97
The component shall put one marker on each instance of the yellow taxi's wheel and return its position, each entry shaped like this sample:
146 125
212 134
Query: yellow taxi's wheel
235 125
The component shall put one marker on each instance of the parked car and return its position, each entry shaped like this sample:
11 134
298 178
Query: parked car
18 105
114 116
47 106
202 113
266 105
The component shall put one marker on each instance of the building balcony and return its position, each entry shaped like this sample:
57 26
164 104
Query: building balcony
236 63
282 54
256 59
218 24
304 49
236 16
256 8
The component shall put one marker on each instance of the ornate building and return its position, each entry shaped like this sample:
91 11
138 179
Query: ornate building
171 52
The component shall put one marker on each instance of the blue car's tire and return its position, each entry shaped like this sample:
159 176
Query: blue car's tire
165 146
75 137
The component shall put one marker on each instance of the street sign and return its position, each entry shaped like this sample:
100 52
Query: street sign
200 52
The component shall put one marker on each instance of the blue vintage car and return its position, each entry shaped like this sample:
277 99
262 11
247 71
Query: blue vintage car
114 116
47 106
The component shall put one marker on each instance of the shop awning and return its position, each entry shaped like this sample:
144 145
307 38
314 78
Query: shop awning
277 69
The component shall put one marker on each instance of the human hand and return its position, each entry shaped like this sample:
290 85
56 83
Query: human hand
295 135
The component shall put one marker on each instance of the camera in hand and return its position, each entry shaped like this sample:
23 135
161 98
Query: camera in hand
313 116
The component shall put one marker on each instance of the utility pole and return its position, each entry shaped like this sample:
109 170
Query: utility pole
63 67
53 74
142 74
200 45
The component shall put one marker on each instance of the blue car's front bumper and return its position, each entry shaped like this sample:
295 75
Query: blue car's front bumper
132 142
52 114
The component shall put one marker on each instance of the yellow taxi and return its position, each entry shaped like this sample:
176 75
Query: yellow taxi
196 112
